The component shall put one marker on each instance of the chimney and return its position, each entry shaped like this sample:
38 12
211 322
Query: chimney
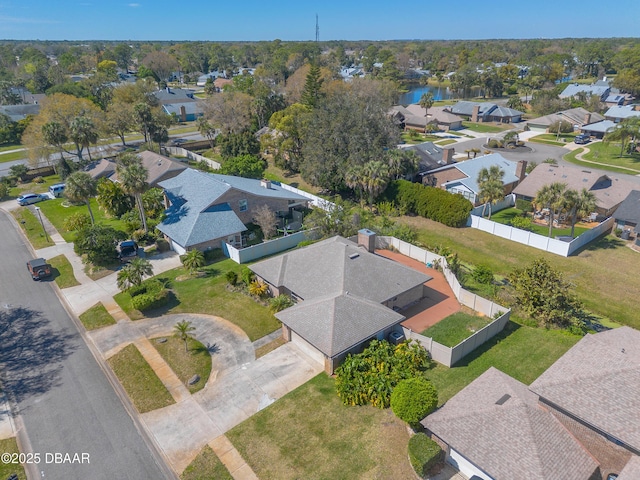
475 113
587 118
521 170
183 113
447 155
265 183
367 239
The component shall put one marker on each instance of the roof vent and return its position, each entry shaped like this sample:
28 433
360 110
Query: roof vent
354 255
503 399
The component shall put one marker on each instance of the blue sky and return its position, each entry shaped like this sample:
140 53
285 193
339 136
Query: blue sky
225 20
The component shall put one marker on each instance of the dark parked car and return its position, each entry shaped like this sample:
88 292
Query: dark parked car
582 139
127 251
39 268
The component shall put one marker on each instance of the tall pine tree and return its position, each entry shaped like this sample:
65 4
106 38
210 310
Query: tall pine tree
311 91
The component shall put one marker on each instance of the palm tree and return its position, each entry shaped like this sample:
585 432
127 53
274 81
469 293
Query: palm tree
551 197
491 186
133 177
182 330
133 273
376 178
426 102
80 187
354 179
83 134
193 260
579 205
628 128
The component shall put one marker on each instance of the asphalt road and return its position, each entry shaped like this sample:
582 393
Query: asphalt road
539 152
65 401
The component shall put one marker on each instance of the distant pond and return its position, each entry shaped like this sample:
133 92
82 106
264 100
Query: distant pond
439 93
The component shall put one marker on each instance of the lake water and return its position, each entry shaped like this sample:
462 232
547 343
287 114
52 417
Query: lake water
439 93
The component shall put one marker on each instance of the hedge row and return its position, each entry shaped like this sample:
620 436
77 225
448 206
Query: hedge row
436 204
424 453
149 294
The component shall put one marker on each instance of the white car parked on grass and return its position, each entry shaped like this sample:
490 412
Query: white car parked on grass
29 198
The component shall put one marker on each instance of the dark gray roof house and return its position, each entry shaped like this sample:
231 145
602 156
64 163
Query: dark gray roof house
346 295
495 428
575 116
206 210
430 155
627 215
485 112
20 112
174 95
601 91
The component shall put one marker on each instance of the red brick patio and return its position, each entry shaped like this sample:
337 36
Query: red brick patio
439 302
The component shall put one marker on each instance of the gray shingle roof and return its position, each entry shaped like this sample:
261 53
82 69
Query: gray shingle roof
430 155
497 424
629 209
466 108
622 111
602 126
334 324
574 89
250 185
505 112
190 108
174 95
598 381
19 112
575 116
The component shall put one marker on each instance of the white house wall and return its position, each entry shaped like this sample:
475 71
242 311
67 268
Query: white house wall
465 466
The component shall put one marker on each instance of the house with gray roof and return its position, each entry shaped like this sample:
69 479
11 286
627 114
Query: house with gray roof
597 129
412 117
462 177
575 116
431 156
485 112
170 95
184 111
594 391
495 429
617 113
601 91
609 189
20 112
207 210
627 215
345 294
159 168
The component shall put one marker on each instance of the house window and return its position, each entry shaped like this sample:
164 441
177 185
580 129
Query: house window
243 204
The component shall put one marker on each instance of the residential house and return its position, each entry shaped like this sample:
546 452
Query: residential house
430 155
345 295
462 177
103 168
485 112
627 215
159 167
578 420
609 189
597 129
495 429
202 79
617 113
601 91
575 116
206 210
618 99
20 112
179 102
412 117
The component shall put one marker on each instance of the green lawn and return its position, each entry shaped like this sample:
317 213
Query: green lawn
519 351
141 383
486 128
206 466
552 139
197 360
505 216
210 295
448 141
33 187
32 227
605 288
9 445
96 317
324 439
10 157
609 155
58 209
63 272
455 328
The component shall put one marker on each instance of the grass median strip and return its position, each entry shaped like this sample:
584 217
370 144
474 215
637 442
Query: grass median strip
185 364
141 383
205 466
10 446
63 272
32 228
96 317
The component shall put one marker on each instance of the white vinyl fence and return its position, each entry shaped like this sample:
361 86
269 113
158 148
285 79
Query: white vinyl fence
183 152
316 201
450 355
270 247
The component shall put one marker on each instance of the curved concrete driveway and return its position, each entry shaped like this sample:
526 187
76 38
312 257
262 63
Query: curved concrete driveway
239 386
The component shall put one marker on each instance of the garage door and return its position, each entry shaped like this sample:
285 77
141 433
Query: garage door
465 466
306 348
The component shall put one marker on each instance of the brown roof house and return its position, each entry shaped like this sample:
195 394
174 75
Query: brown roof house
158 166
412 117
577 117
579 420
609 189
345 295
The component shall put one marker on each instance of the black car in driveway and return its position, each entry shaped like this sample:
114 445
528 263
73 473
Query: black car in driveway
127 251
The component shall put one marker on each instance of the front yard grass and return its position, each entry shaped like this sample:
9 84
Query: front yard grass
609 154
505 216
63 272
209 295
196 361
324 439
601 283
33 187
96 317
487 127
141 383
519 351
9 445
553 139
455 328
206 466
32 228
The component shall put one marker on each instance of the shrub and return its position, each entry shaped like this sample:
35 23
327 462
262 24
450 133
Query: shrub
131 221
523 223
77 221
150 286
413 399
213 254
494 143
147 301
4 190
232 277
162 245
138 235
38 180
279 303
482 274
247 276
98 242
258 288
524 205
560 126
304 243
424 453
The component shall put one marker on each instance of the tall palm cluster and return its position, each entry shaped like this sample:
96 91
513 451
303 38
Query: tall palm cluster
491 186
133 177
558 199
